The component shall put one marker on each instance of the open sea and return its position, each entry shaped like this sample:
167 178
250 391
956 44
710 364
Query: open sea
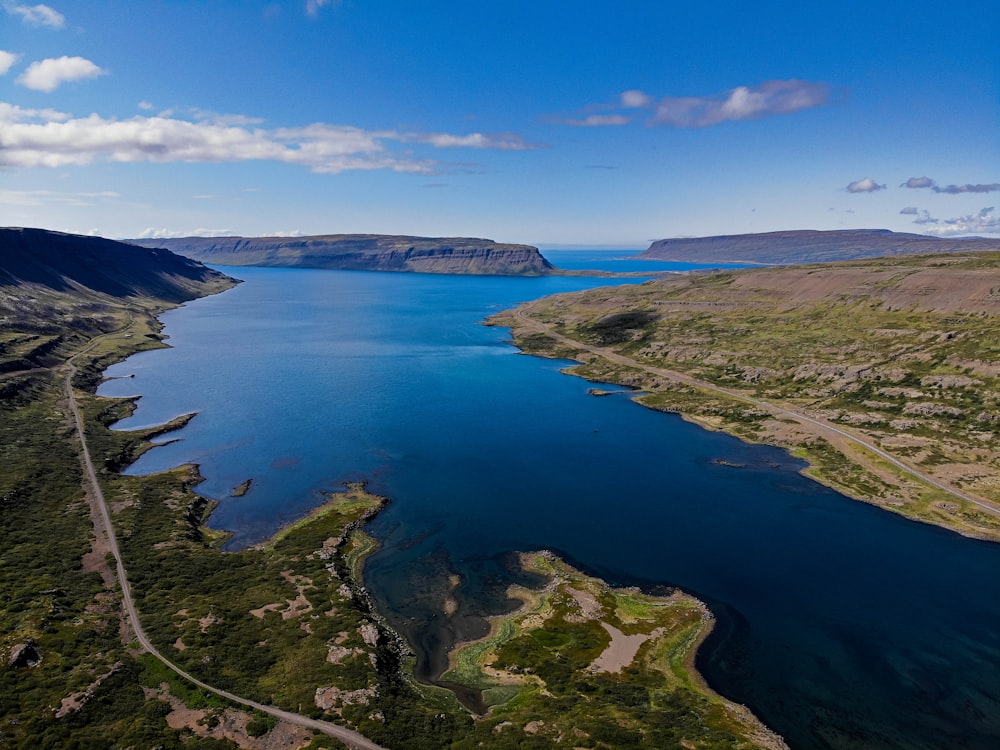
840 625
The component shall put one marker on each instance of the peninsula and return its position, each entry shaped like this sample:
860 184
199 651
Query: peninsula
809 246
364 252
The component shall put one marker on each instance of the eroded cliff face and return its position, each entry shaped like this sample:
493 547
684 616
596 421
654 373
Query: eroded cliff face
453 255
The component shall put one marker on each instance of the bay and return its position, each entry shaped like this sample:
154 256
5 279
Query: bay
840 625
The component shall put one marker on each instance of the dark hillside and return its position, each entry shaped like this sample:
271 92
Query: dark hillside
68 262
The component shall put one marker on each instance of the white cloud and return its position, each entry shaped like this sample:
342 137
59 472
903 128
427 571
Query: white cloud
35 198
497 141
867 185
591 121
634 98
47 75
927 182
37 15
144 105
219 119
741 103
45 138
152 233
7 60
958 189
981 222
10 113
313 6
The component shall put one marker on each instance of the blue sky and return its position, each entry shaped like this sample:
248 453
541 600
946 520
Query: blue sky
577 123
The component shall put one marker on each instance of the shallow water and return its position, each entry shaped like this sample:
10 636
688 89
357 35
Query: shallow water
841 625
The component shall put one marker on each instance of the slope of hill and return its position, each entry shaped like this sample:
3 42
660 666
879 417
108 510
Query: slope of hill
364 252
884 373
59 290
809 246
67 262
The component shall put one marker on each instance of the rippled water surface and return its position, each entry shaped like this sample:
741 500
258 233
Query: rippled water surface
842 626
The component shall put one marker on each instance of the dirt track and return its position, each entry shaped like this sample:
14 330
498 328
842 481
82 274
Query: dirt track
106 529
811 424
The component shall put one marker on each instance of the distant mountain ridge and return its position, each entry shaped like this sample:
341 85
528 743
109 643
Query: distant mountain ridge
810 246
364 252
78 263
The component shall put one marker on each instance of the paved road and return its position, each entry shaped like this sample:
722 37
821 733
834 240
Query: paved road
349 737
819 425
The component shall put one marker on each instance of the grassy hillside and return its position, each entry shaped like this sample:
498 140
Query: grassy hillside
903 352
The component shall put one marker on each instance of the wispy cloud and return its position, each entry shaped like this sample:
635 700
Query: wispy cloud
918 182
313 6
956 189
47 75
867 185
34 198
765 99
927 182
742 103
45 138
909 211
594 121
37 15
496 141
981 222
7 60
634 99
152 233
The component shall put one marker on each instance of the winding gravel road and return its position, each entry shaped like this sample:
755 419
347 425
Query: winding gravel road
817 425
348 736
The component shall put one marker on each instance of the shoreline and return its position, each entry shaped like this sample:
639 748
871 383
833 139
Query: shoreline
939 506
668 632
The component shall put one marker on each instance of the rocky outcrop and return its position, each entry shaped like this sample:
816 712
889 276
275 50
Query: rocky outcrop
24 654
364 252
809 246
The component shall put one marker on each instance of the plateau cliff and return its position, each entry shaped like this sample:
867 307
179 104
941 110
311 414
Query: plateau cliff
364 252
809 246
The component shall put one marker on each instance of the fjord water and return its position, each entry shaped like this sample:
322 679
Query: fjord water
840 625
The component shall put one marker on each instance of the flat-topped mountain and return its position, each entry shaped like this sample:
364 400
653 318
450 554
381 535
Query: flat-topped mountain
364 252
75 263
809 246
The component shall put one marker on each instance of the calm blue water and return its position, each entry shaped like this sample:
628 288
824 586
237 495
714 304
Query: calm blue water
619 260
842 626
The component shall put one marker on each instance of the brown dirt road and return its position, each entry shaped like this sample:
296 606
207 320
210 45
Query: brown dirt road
812 424
106 528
